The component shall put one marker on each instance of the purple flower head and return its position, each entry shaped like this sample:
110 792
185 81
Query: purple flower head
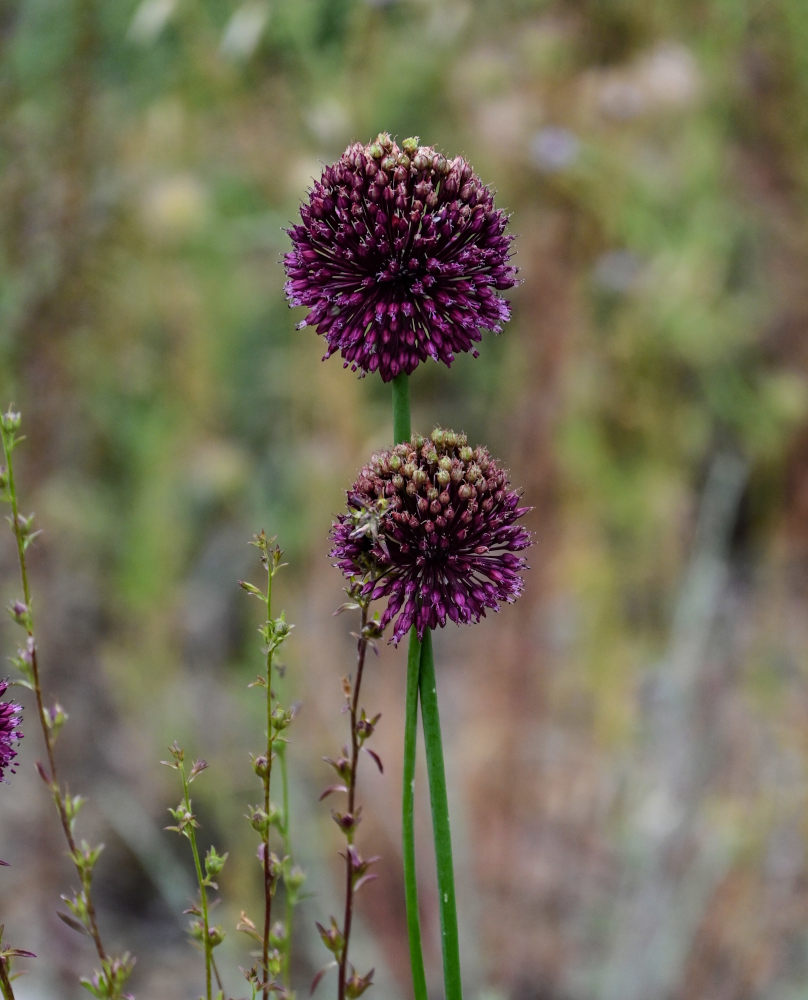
431 525
401 256
10 732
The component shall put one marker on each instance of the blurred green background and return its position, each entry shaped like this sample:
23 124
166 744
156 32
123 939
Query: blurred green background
627 746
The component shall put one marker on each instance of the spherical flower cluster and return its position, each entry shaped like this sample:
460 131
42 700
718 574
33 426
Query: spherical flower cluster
431 525
10 732
401 256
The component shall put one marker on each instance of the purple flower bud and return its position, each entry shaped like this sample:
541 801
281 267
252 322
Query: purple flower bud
399 257
438 549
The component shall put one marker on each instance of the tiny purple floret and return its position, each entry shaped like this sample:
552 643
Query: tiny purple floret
400 256
431 526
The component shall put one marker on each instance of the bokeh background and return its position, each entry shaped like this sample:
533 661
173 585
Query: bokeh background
627 747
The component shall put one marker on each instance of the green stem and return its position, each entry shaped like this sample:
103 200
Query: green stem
9 442
402 432
401 409
269 875
286 949
440 822
408 816
5 981
203 896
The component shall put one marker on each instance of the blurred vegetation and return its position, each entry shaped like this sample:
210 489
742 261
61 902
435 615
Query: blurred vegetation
634 799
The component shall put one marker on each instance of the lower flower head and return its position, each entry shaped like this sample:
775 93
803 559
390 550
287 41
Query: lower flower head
10 732
431 525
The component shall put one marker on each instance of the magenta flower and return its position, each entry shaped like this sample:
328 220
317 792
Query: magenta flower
431 525
401 256
10 732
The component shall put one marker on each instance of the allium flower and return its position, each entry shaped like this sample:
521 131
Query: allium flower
401 256
10 732
431 525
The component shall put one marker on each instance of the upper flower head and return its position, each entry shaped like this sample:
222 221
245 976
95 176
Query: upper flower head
431 525
10 732
401 256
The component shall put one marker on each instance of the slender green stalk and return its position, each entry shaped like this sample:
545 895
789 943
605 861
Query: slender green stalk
401 432
188 830
356 744
269 873
83 857
440 822
401 409
275 961
5 982
291 897
407 819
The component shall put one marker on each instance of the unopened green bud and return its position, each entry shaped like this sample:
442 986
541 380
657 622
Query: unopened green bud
10 420
294 878
277 934
261 765
214 862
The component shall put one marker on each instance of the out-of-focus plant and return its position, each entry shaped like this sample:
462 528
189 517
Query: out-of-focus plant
110 980
273 973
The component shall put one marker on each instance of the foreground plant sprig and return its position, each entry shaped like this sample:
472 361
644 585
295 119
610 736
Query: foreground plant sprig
108 983
6 955
275 938
202 931
346 767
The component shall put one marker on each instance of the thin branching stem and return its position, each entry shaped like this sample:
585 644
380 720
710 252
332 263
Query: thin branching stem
83 870
286 966
361 651
190 833
269 873
5 982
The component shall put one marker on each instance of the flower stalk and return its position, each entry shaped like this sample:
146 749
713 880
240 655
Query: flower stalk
408 819
433 744
402 431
